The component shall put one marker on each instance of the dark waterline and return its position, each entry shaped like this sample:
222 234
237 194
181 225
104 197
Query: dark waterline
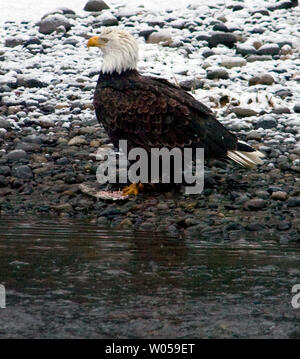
70 279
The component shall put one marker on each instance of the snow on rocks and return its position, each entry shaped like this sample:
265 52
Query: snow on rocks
245 49
223 38
60 10
16 41
106 18
162 36
267 122
265 79
30 81
231 62
217 73
286 50
95 5
53 23
269 49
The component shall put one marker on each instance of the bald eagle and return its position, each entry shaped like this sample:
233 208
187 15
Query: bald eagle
151 112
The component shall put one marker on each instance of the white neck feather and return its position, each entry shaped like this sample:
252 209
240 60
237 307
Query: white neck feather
120 59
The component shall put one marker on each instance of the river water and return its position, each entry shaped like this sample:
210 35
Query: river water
71 279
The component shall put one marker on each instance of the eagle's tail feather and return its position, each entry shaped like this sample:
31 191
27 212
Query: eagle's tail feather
246 155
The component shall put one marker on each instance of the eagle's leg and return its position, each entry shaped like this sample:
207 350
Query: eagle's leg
133 189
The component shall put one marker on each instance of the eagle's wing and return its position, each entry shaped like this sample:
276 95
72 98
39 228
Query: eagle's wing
151 112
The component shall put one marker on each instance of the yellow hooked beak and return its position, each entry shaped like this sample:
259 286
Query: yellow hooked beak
95 41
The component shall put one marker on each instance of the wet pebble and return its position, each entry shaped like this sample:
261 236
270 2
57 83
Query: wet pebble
77 141
253 227
279 195
22 172
5 124
283 226
17 155
293 202
255 204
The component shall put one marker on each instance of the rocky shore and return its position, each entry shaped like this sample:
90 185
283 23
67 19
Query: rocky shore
241 60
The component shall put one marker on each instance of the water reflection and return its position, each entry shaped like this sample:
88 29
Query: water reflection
69 279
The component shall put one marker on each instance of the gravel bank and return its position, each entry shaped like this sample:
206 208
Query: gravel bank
241 61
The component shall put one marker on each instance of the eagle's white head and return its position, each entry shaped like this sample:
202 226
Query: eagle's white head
120 50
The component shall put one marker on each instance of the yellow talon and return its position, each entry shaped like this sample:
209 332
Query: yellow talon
133 189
